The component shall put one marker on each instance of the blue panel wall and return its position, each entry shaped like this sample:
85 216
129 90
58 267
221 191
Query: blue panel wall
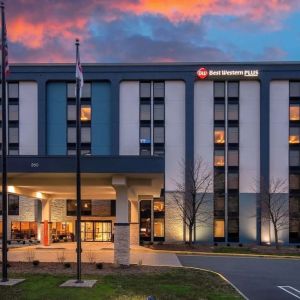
101 118
56 119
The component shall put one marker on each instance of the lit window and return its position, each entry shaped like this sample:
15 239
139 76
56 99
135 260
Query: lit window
158 206
219 228
219 135
219 158
294 112
159 228
294 135
85 113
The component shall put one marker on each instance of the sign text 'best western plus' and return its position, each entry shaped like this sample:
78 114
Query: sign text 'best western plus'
203 73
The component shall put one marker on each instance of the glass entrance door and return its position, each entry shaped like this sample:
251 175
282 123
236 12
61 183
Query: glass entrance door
98 231
89 232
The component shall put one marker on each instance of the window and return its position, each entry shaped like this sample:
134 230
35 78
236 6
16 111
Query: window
219 112
295 206
86 113
233 135
13 135
145 220
13 112
158 205
233 89
145 90
159 112
71 112
294 112
294 181
158 89
13 90
219 135
233 205
219 89
233 180
72 135
219 182
159 134
85 134
145 135
294 135
159 227
86 90
219 158
294 89
219 229
13 205
71 90
294 158
86 207
145 112
233 112
233 158
219 205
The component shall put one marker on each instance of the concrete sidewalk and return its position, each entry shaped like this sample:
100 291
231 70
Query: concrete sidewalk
98 252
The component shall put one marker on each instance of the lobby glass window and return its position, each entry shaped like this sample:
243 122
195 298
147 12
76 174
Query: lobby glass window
145 112
85 134
233 89
233 181
145 220
13 205
159 135
85 113
219 160
294 89
158 89
71 208
294 182
219 135
71 112
13 133
13 112
294 112
159 112
219 89
233 135
294 137
294 158
159 228
219 112
145 89
13 90
71 134
233 158
233 112
23 230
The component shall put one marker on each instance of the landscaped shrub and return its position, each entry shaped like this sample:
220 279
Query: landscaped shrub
240 245
36 262
91 256
61 258
99 266
216 244
67 265
29 255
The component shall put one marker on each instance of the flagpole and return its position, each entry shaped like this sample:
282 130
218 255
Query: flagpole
78 177
4 154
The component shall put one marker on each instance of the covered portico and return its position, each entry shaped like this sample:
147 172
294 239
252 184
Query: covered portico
54 182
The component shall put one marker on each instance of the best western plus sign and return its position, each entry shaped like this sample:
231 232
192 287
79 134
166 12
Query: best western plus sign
202 73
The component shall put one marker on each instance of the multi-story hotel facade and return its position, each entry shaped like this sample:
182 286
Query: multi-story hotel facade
141 123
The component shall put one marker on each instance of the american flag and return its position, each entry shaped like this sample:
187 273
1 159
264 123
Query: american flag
79 73
4 48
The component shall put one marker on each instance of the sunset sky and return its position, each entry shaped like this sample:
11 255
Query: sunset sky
153 30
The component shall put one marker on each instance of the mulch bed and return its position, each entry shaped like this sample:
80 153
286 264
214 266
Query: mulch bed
254 249
87 268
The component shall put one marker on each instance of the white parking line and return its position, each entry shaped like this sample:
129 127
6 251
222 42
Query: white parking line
291 290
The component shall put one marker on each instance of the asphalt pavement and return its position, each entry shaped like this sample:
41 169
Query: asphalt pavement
257 278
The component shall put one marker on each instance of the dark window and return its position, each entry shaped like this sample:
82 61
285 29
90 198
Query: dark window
113 208
13 112
159 112
294 181
233 112
71 90
233 181
86 90
145 112
233 205
145 89
219 89
294 158
219 205
145 220
158 89
219 112
233 89
86 207
13 90
159 135
71 112
219 181
12 205
13 135
233 135
85 134
233 158
145 135
71 134
294 89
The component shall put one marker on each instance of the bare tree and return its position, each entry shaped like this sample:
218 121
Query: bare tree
274 207
190 195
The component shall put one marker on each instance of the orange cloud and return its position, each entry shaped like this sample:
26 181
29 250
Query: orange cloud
194 10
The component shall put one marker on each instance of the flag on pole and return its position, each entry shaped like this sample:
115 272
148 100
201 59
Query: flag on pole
4 48
79 73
